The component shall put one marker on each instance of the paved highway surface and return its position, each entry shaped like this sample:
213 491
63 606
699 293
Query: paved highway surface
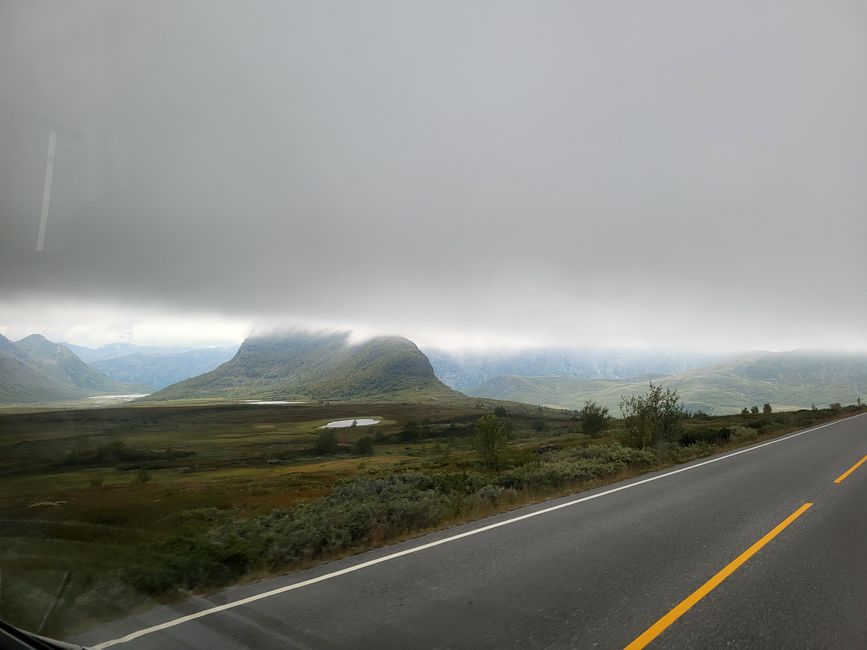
722 552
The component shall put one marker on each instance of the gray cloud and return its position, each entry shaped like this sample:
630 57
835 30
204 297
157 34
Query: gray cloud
670 172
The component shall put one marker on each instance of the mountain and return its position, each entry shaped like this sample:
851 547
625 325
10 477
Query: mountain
313 366
22 380
35 369
786 380
115 350
58 360
556 392
163 369
463 371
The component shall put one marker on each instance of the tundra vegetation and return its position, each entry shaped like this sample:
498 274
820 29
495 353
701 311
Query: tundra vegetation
106 510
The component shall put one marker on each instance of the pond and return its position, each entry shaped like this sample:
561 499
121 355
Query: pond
111 399
359 422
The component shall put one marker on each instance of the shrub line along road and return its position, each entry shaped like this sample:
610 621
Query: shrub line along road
761 547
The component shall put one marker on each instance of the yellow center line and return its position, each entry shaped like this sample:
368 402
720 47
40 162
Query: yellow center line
843 476
684 606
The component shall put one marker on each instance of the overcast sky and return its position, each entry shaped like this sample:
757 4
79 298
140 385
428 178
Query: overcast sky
640 173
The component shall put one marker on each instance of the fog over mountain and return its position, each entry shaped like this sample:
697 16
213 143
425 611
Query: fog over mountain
567 174
800 379
161 369
467 370
301 365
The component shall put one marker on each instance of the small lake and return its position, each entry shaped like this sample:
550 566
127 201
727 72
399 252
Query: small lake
118 398
265 401
359 422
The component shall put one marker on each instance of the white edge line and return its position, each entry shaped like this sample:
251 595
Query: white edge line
409 551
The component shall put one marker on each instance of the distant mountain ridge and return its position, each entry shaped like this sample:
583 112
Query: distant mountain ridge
786 380
121 349
310 366
35 369
161 369
464 371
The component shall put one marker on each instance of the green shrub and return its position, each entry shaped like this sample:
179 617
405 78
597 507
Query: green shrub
142 476
363 446
710 436
594 418
559 469
651 418
326 444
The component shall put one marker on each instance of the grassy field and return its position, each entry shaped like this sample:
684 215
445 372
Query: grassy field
107 510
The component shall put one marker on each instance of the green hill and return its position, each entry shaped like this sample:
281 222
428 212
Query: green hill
306 366
786 380
61 362
35 369
21 380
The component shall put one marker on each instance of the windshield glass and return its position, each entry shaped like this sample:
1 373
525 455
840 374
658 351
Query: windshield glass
454 324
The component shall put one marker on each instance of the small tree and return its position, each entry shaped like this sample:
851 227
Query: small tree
326 444
766 409
363 446
745 411
594 418
142 476
754 410
859 403
500 411
492 439
651 418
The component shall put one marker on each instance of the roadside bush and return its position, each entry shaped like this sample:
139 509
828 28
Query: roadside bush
745 434
594 418
651 418
489 495
187 562
492 440
559 469
710 436
690 452
353 514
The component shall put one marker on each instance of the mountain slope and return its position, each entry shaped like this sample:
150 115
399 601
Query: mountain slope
36 370
116 350
302 365
23 380
787 380
163 369
465 370
58 361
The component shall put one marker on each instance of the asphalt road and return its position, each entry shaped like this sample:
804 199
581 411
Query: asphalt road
597 569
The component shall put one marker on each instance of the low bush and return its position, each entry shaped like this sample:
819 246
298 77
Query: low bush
559 469
362 511
710 436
